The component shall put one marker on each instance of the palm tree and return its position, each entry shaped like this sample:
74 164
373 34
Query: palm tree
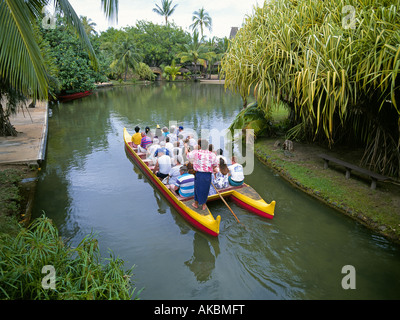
126 56
172 71
22 67
165 10
201 19
196 53
88 25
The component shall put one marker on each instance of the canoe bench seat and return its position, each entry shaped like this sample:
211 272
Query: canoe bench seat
375 177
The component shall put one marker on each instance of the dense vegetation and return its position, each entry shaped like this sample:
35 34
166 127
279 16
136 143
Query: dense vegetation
80 273
335 67
41 58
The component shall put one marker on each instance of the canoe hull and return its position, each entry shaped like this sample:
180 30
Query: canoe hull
74 96
245 196
204 222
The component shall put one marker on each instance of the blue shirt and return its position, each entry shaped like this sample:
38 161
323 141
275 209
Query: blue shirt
185 182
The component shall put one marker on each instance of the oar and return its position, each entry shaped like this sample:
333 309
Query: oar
226 203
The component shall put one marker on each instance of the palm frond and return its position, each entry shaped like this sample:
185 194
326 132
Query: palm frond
21 63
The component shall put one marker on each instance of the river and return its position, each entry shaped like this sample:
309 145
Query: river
88 184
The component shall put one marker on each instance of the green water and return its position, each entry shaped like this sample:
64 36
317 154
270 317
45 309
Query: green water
89 184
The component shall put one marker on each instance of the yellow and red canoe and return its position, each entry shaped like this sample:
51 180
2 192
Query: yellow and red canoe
244 195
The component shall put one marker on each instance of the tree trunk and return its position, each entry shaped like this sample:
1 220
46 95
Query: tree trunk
6 128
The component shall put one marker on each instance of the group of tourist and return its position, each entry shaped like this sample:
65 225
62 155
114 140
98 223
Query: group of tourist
203 172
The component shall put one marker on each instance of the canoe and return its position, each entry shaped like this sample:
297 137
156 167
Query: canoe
244 195
74 96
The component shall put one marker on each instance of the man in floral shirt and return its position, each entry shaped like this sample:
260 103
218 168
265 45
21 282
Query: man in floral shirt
204 162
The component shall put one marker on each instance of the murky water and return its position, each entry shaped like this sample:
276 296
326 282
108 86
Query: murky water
88 184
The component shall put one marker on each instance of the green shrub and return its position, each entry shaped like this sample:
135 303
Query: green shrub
80 273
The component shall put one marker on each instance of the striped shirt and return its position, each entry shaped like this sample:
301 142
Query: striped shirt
185 182
145 142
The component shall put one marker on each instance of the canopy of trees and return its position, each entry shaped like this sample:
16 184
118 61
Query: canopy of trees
335 66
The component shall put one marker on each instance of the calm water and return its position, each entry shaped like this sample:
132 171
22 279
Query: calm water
89 185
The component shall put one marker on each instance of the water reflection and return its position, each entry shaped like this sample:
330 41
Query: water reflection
202 262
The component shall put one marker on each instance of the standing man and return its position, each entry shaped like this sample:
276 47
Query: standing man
204 162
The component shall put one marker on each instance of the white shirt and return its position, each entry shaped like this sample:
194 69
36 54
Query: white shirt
236 171
174 173
170 147
164 164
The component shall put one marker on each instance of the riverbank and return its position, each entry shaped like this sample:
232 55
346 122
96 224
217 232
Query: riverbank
377 209
20 157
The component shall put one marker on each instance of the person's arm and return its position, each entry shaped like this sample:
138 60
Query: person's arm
155 169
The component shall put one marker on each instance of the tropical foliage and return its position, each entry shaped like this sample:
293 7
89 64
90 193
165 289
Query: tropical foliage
196 52
71 63
171 71
80 273
23 71
335 67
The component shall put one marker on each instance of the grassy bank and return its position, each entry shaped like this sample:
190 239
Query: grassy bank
81 273
377 209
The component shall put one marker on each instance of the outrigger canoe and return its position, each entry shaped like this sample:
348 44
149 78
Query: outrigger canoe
244 195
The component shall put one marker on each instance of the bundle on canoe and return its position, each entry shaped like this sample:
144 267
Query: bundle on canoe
244 195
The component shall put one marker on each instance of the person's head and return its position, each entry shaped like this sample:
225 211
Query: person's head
223 168
234 159
183 169
147 129
143 134
220 152
203 144
210 147
172 129
137 129
180 128
156 141
165 129
167 139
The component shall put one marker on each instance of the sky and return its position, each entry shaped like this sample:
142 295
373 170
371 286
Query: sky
224 13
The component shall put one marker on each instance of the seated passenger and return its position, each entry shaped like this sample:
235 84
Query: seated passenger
152 149
162 148
236 176
172 135
219 154
184 183
158 133
149 133
163 165
137 137
165 132
144 144
220 178
169 145
174 173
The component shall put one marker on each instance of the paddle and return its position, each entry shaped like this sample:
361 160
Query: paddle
226 204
